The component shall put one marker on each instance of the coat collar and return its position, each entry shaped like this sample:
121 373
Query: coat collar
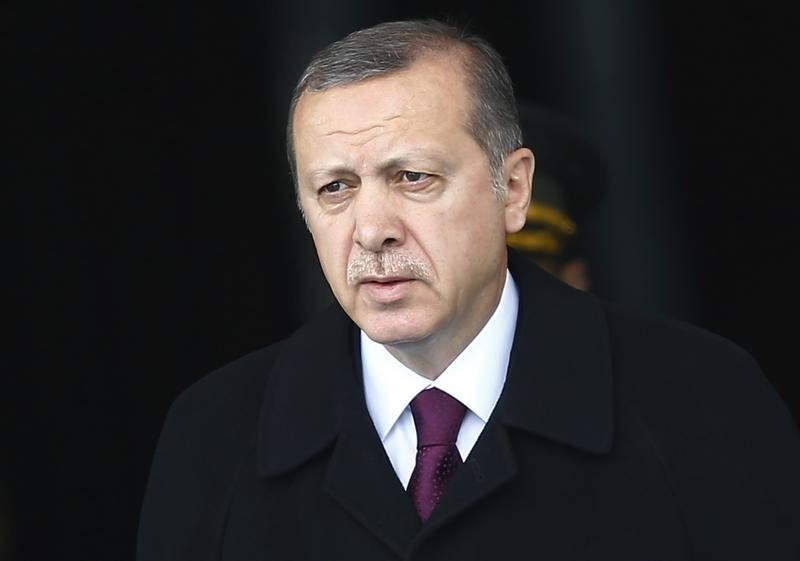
312 390
559 383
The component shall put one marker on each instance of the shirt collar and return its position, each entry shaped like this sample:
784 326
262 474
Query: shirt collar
475 378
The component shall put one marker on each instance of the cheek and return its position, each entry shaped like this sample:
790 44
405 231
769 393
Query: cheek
333 252
472 221
433 233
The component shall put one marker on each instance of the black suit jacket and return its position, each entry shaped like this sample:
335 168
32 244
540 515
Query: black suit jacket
616 437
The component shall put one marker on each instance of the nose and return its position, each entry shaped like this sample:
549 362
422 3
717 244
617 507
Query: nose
378 221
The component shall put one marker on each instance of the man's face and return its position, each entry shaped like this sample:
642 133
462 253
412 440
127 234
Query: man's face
397 196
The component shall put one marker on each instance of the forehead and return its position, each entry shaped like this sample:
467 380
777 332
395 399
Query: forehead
430 94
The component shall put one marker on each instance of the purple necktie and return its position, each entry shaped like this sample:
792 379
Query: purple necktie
437 417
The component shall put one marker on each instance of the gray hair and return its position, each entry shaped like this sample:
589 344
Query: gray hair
393 46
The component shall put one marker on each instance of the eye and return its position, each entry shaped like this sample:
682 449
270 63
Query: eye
413 176
332 187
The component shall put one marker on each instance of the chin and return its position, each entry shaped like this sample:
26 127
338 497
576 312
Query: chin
394 333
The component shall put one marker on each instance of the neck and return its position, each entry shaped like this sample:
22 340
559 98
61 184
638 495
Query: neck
425 362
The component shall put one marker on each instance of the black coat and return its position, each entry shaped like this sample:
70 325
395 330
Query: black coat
616 437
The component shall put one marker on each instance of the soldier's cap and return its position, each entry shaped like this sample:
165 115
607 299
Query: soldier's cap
569 181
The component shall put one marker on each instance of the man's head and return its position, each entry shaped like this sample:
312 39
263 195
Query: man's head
400 195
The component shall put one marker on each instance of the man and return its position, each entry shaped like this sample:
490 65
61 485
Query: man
549 426
571 180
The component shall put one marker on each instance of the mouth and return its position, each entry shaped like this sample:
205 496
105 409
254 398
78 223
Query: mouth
386 289
384 280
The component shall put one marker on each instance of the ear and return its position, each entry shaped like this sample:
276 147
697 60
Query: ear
518 177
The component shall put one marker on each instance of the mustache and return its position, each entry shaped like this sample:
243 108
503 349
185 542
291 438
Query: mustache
386 263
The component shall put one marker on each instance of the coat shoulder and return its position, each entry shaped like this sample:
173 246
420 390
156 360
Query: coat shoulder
233 391
726 441
672 346
214 418
207 435
674 370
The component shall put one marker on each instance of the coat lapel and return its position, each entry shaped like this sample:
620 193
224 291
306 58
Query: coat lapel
489 467
314 402
360 477
559 383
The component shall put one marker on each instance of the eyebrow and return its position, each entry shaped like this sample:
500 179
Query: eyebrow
331 172
411 159
414 155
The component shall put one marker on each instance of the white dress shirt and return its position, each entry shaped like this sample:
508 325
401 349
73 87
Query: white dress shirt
475 378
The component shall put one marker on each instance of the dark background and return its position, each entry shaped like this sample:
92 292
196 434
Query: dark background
154 238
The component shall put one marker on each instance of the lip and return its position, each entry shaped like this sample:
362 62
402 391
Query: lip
383 279
386 289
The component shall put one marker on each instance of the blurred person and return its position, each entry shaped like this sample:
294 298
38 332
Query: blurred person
571 180
458 402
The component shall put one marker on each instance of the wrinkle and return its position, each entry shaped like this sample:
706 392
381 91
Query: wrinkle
356 132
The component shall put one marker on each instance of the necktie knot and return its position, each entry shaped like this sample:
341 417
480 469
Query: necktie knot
437 417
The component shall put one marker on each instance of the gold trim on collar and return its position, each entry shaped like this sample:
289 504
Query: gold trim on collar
539 241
